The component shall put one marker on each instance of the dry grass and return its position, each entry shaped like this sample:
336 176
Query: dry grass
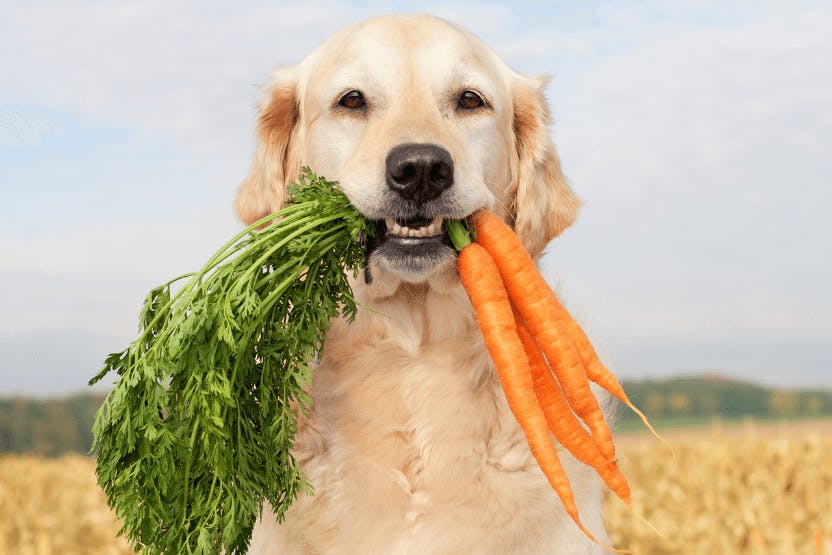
743 492
54 506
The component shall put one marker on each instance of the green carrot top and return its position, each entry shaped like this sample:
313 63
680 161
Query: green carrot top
198 428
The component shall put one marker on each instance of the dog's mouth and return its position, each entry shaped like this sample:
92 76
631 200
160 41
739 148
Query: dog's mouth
411 247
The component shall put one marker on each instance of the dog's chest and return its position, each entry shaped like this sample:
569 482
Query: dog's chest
418 448
411 448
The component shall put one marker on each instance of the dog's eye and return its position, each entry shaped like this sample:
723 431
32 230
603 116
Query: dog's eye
353 100
469 100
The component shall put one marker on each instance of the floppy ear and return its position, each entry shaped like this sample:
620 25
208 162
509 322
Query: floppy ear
543 204
277 157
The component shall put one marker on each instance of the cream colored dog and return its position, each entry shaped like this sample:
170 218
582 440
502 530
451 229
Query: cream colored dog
410 444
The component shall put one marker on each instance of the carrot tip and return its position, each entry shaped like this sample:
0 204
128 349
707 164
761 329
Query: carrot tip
650 427
629 503
648 523
599 544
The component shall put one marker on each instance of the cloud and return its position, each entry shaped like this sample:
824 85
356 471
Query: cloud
53 362
699 151
93 276
748 358
25 129
697 133
160 67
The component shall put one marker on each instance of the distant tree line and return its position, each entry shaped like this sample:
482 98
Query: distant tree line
53 426
48 426
712 396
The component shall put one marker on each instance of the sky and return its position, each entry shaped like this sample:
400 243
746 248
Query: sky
698 134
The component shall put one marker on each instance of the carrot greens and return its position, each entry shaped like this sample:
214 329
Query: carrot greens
198 428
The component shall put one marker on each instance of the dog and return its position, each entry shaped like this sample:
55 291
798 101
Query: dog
410 444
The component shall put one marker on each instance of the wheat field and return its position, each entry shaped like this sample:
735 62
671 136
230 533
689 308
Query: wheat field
748 491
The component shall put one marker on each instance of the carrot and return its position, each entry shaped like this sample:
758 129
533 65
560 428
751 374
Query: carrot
561 420
481 280
595 369
489 227
537 303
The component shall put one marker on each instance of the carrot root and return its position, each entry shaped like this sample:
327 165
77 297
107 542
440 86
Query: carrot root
560 361
562 421
543 314
489 298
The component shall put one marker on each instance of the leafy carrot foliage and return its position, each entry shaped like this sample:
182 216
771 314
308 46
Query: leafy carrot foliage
198 428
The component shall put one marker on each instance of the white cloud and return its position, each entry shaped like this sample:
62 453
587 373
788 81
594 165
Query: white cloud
702 153
19 128
94 276
186 70
698 134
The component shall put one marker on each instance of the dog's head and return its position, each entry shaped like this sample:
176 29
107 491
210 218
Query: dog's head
417 120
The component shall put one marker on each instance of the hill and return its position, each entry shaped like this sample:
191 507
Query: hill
712 396
48 426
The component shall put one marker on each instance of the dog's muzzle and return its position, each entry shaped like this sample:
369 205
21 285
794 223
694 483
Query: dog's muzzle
411 240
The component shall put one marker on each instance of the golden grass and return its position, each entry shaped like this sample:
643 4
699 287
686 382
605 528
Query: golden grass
728 495
54 506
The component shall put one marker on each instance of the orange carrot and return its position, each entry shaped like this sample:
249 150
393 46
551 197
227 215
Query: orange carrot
595 369
536 302
489 298
561 420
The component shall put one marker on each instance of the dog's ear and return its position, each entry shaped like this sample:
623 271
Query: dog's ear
543 205
277 156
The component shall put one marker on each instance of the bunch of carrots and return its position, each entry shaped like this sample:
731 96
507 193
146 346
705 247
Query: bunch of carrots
544 360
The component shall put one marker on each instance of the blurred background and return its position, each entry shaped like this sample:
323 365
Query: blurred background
698 135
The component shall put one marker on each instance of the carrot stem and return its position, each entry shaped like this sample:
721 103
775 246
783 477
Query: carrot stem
459 234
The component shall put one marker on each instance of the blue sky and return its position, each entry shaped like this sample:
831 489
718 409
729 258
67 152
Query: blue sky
697 133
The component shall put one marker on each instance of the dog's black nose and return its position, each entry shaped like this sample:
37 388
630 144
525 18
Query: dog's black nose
419 172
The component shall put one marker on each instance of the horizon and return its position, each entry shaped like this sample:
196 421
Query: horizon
697 135
705 375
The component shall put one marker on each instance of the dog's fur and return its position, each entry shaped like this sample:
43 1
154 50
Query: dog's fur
410 444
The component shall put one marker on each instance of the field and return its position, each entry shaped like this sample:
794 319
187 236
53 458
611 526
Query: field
744 489
54 506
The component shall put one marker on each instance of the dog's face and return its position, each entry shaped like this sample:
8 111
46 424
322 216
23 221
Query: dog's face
417 120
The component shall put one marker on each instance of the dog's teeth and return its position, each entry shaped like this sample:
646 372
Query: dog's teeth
436 225
429 230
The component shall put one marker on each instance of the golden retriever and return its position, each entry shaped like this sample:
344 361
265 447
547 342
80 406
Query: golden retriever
410 444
